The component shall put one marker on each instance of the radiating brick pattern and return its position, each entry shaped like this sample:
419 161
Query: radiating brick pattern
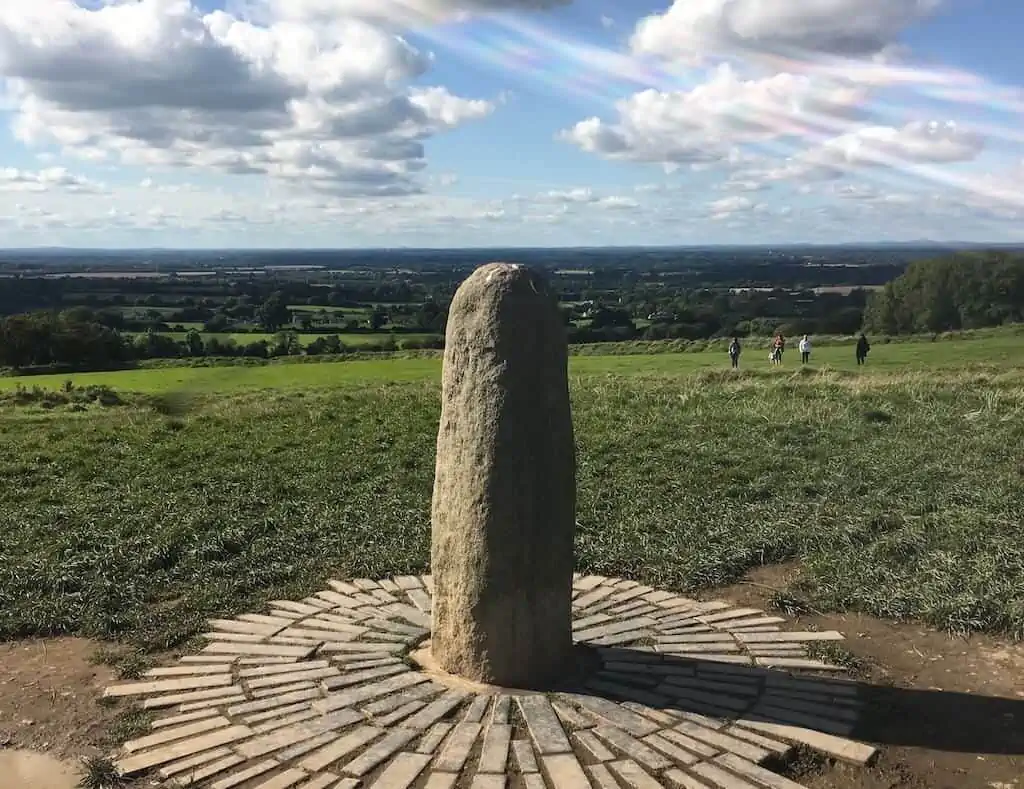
318 694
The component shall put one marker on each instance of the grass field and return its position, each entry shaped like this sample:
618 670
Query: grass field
899 489
990 353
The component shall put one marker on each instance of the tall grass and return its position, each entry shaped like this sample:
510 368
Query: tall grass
900 494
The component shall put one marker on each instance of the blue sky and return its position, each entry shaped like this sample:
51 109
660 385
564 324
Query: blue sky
509 122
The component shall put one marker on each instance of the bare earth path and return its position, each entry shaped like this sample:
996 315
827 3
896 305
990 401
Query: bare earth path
937 738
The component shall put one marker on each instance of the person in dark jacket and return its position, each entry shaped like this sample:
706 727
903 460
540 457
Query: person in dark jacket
734 352
862 349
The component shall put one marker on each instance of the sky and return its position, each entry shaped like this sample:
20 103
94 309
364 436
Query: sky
472 123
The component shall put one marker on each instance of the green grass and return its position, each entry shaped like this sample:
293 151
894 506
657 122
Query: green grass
897 489
1000 352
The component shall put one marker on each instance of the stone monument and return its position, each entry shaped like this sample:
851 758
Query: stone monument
503 513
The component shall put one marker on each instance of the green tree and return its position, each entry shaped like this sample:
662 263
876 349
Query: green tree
274 312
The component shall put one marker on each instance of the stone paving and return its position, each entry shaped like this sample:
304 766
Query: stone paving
320 694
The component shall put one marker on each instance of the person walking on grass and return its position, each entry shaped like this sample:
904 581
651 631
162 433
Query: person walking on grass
734 352
778 347
862 349
805 349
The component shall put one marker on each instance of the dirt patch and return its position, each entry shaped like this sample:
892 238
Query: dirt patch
19 769
48 696
947 713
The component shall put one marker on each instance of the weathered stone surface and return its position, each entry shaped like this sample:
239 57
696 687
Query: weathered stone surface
504 490
565 772
548 734
525 758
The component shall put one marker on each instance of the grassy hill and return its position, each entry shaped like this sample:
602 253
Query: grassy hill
896 488
991 351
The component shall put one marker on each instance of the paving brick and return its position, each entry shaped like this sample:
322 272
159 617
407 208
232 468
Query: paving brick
441 781
172 733
402 771
565 771
379 752
548 734
274 650
402 712
290 735
194 775
192 762
434 737
207 704
615 714
590 744
477 708
488 781
279 690
494 751
176 720
158 702
352 696
276 701
633 748
246 774
601 777
436 710
633 775
178 750
168 685
456 750
345 745
356 677
522 750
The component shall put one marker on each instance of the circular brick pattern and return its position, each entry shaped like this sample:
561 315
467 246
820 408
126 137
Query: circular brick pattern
321 694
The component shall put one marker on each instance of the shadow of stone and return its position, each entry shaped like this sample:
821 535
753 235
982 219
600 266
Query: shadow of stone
778 703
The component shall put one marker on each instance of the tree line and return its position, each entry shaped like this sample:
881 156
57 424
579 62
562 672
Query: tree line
964 291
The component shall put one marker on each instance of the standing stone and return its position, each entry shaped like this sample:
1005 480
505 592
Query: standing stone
505 484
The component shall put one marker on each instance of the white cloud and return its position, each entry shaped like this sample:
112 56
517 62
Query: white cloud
159 83
607 22
742 186
402 11
916 143
705 124
694 29
46 180
578 195
727 206
618 203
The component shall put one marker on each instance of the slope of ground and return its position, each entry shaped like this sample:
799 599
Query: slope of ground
898 495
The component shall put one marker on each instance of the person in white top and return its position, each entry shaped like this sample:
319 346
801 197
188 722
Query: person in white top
805 350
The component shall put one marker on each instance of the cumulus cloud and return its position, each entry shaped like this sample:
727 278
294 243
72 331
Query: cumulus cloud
403 11
916 143
158 82
705 124
46 180
727 206
581 196
694 29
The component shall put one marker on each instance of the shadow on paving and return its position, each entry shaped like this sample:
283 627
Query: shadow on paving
831 715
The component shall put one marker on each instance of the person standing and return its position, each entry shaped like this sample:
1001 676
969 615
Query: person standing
805 349
778 347
734 352
862 349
